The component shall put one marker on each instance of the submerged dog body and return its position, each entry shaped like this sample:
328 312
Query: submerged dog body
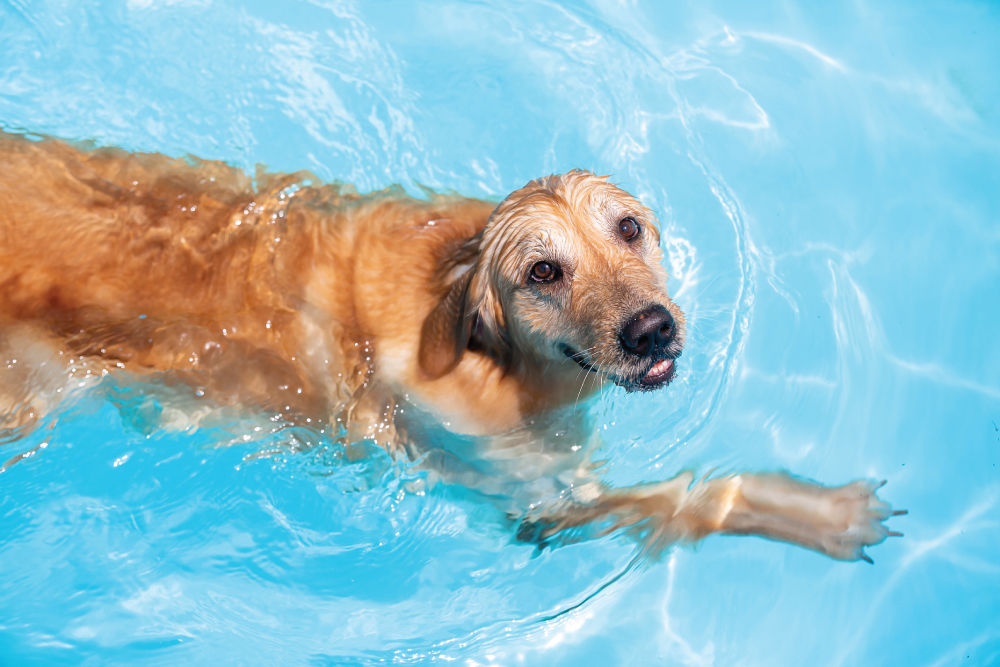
339 310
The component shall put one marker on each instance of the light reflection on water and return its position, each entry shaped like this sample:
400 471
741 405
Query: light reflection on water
827 182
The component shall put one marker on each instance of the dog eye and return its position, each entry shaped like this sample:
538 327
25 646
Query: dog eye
544 272
628 228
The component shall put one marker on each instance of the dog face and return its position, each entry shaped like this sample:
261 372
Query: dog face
569 272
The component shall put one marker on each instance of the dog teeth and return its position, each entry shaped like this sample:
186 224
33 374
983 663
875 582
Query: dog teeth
660 368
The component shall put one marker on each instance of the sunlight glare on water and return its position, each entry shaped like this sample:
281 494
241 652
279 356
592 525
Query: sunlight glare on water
827 179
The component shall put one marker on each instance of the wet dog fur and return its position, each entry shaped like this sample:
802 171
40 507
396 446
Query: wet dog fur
338 310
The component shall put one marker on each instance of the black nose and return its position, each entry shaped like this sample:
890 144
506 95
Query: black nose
647 331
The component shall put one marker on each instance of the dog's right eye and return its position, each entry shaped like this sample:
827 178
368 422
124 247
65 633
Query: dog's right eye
544 272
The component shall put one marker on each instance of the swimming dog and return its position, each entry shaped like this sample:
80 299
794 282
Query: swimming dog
382 317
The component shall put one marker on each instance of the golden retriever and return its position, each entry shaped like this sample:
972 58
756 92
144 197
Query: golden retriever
380 317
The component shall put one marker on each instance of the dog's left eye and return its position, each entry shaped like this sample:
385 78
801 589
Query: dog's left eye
628 228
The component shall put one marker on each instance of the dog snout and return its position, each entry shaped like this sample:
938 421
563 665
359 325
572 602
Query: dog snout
647 331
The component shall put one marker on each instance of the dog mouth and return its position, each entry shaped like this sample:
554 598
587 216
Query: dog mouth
660 373
657 372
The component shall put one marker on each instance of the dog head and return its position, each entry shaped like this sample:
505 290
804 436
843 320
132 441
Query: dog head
566 275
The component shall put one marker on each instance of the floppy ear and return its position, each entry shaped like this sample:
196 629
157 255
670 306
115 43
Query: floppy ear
446 330
489 331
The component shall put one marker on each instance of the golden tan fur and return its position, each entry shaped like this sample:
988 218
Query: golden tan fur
336 310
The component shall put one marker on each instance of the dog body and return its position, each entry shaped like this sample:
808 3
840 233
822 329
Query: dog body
373 315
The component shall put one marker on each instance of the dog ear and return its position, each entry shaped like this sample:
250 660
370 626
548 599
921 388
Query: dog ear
489 330
446 330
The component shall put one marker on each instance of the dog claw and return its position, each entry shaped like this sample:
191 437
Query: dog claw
535 532
881 484
900 512
860 520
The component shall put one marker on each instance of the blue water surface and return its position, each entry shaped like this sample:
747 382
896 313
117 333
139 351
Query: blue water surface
828 178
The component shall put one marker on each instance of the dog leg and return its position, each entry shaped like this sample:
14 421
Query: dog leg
837 521
35 376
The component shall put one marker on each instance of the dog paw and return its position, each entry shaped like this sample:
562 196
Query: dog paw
855 520
536 532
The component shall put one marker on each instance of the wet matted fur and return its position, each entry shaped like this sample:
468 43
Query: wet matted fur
336 310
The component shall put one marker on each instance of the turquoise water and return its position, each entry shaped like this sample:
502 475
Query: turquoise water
828 179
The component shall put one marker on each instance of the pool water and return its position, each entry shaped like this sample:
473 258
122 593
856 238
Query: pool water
828 178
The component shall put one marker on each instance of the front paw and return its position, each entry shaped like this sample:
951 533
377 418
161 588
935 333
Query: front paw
536 532
855 516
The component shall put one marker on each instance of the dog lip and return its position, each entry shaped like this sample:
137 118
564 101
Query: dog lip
579 359
659 373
